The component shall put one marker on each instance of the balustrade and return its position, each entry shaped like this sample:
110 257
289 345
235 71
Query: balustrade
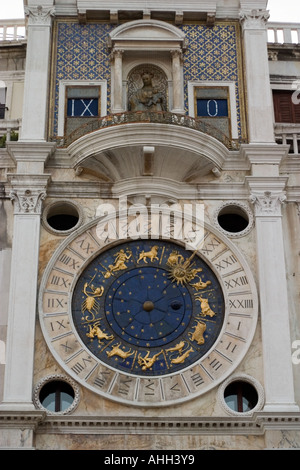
12 30
284 33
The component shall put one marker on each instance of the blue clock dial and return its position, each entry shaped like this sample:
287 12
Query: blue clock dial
148 307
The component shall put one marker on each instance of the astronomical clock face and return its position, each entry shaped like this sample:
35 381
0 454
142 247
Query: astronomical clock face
148 308
145 321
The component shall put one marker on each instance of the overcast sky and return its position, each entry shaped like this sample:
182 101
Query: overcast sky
280 10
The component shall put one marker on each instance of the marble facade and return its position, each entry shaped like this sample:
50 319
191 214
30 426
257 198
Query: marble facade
168 159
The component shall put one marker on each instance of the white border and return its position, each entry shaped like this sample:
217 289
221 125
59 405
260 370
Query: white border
62 94
232 101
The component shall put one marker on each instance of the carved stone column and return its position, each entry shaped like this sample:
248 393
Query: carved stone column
117 56
268 197
260 106
34 122
177 82
27 194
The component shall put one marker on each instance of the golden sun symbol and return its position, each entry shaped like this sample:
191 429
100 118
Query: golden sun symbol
182 272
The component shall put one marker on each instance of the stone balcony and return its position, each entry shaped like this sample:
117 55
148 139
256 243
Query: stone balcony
288 134
157 117
12 30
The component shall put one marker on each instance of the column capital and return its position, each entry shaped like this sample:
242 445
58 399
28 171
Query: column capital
117 53
39 16
27 192
254 19
267 195
268 203
176 53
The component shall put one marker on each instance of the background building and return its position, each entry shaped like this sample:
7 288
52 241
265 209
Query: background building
150 195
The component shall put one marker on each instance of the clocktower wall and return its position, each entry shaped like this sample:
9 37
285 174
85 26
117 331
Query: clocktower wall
150 224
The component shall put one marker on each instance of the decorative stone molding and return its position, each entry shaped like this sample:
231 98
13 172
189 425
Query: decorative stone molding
244 208
27 201
39 15
241 378
268 203
27 192
254 19
139 35
273 55
256 425
51 378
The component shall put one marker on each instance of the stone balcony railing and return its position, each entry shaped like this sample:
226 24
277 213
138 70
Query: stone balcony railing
284 33
158 117
288 134
12 30
9 130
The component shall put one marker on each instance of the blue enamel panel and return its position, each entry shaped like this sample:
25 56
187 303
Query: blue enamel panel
128 309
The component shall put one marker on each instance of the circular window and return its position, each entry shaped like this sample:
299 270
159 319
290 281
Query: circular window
241 395
234 219
62 217
56 394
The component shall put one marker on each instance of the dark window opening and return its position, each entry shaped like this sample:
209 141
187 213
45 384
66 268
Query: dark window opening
2 111
233 223
62 222
241 396
62 216
56 396
233 219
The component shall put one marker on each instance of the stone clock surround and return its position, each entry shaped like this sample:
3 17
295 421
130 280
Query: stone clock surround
241 305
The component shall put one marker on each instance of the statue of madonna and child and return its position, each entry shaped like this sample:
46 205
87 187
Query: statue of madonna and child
147 98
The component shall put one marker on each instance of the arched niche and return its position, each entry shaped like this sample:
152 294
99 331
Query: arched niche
151 42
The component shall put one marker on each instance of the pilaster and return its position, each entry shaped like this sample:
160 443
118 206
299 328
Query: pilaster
260 107
268 195
177 81
117 58
27 191
37 73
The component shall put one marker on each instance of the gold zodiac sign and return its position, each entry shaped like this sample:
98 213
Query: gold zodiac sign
90 303
200 284
179 347
181 271
116 351
182 356
96 331
119 263
205 308
198 332
174 258
146 362
152 254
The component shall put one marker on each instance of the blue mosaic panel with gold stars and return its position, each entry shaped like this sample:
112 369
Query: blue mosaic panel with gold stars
81 54
212 55
148 307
